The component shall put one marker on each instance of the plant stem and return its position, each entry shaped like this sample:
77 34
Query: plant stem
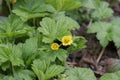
12 69
100 55
90 22
34 22
9 7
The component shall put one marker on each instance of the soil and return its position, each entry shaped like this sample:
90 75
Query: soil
88 57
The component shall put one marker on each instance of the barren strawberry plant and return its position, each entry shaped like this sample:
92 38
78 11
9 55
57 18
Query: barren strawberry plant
46 40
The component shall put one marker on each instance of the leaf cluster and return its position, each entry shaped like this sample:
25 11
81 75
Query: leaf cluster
26 36
106 31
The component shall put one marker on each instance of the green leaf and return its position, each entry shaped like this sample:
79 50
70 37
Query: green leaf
29 47
91 4
103 30
38 9
29 50
5 65
56 29
1 76
24 75
10 53
39 73
13 26
53 70
8 78
63 5
102 11
39 67
59 54
45 70
113 66
107 31
78 44
111 76
79 74
53 55
116 31
41 64
25 15
37 6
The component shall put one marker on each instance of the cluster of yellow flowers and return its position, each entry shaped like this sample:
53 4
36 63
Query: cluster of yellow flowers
66 40
13 1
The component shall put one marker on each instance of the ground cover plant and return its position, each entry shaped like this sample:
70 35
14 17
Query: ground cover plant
37 39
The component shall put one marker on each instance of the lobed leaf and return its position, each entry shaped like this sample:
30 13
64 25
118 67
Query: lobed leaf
13 26
78 44
63 5
24 75
55 29
111 76
53 70
10 53
91 4
44 70
59 54
107 32
116 31
38 9
103 30
102 11
79 74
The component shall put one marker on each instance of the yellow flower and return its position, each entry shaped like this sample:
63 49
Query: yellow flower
55 46
13 1
67 40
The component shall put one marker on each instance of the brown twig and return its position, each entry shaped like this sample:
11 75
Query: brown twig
100 55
